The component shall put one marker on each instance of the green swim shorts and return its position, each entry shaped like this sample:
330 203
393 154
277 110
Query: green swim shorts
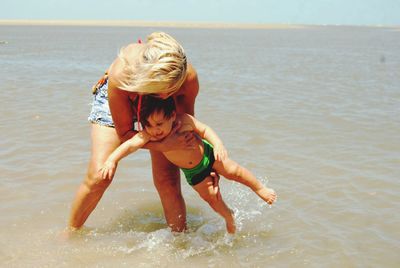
202 170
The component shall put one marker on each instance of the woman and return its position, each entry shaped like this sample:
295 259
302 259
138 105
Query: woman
157 67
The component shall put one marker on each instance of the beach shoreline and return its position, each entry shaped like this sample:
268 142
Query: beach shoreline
175 24
134 23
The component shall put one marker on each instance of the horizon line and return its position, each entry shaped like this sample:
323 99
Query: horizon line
142 23
169 24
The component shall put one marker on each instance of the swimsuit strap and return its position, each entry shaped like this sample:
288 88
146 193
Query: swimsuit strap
138 113
139 104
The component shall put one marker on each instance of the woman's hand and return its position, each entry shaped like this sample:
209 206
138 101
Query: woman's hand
178 141
220 153
108 170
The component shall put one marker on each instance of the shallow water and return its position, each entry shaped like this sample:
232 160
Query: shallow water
313 112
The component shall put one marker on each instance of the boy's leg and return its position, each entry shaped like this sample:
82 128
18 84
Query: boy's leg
206 191
166 178
104 142
233 171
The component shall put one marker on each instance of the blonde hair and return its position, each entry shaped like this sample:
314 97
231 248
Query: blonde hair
160 68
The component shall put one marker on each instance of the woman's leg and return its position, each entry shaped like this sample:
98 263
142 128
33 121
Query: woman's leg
104 142
166 178
233 171
206 191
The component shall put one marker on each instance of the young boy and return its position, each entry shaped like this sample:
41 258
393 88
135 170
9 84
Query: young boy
159 118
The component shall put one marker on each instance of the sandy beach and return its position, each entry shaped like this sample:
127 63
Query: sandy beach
135 23
171 24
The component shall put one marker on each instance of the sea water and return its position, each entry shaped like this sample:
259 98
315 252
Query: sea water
313 112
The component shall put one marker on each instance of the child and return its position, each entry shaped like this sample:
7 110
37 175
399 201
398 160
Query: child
159 118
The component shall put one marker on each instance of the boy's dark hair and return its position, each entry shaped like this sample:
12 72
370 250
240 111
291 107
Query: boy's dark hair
151 104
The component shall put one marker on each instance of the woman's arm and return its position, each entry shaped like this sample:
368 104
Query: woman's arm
185 101
121 109
186 96
176 140
122 113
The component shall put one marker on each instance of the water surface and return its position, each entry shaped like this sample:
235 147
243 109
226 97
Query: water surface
313 112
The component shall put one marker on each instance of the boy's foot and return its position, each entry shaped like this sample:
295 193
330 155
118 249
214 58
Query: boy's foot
230 223
230 227
267 194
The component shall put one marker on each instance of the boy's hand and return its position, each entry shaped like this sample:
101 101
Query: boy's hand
108 170
220 153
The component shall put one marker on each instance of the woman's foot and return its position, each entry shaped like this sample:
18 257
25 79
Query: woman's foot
67 233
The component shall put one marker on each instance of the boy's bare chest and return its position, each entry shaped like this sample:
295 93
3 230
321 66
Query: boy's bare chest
186 158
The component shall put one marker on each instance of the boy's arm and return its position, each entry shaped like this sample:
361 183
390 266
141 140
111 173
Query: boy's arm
128 147
207 133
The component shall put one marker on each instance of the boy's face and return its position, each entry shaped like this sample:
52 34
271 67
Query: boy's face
159 127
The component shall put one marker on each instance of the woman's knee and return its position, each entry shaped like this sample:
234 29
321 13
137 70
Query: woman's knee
167 178
169 188
95 182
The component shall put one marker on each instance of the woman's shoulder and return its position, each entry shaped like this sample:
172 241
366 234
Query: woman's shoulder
191 74
116 69
114 87
190 86
130 53
132 49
